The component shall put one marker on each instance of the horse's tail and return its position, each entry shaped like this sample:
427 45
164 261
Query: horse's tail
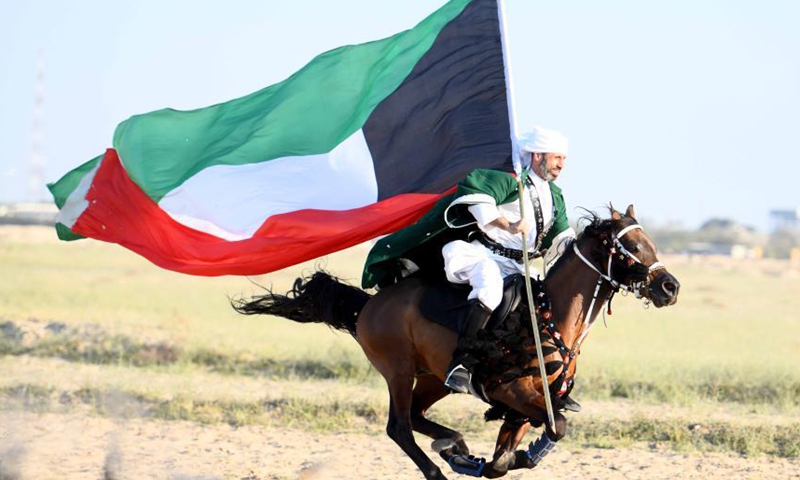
320 298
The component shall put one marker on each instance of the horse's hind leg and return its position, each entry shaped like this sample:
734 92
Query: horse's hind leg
427 391
399 425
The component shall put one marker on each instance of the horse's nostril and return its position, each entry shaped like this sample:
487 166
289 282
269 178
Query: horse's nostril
670 288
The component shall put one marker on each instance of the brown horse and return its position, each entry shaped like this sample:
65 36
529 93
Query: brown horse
412 353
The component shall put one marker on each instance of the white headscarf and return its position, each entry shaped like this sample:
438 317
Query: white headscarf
542 140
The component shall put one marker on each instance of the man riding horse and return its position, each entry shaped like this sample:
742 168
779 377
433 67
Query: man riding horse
481 226
411 352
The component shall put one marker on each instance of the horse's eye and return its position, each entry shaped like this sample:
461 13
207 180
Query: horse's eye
634 248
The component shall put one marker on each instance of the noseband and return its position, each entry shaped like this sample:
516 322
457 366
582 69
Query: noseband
616 251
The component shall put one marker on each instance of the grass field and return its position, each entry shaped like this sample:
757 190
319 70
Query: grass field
91 326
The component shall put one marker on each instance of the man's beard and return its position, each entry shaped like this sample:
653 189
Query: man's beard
541 169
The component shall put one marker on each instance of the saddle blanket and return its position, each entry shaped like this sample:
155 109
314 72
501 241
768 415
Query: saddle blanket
445 303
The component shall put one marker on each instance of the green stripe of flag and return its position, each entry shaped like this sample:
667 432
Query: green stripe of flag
69 182
64 187
309 113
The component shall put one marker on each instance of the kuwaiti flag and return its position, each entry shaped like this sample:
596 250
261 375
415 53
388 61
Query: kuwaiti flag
359 143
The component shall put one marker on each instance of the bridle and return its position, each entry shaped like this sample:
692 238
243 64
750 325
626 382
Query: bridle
624 255
616 251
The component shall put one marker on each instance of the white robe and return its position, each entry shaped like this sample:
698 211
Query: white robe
484 270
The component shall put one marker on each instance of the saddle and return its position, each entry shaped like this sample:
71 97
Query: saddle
446 304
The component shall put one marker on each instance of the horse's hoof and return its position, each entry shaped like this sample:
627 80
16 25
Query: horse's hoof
490 472
442 444
434 474
522 460
500 467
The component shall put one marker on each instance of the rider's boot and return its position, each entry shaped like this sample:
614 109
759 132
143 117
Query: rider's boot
459 373
570 404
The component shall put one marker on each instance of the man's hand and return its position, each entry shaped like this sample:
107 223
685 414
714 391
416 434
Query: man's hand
519 227
512 227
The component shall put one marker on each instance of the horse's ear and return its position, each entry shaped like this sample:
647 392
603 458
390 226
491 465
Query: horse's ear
615 215
629 212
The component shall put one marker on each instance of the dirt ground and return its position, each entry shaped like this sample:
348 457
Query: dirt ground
79 446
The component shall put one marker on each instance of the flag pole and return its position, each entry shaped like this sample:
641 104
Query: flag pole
517 161
545 388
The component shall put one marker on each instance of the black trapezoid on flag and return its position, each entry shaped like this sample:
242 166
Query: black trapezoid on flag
450 115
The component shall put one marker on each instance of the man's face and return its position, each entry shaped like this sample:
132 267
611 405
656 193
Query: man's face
548 165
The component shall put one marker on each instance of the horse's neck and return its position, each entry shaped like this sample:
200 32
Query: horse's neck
571 288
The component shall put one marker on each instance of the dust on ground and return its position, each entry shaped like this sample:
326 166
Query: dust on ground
81 446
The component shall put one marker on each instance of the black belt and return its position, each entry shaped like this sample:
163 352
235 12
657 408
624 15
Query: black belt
495 247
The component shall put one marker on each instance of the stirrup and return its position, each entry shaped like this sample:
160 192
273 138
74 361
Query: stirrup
458 379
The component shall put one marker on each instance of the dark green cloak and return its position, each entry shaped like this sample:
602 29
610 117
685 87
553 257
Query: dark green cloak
422 242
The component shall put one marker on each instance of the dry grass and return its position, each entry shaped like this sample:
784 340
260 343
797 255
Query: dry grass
171 342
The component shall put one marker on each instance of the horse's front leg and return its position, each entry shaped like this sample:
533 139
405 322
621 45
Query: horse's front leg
511 433
542 446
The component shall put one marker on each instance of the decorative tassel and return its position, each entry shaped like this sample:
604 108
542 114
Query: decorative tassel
609 302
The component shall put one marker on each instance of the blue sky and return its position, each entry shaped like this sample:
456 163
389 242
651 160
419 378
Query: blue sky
688 109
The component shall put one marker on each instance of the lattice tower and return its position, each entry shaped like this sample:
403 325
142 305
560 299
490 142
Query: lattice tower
36 191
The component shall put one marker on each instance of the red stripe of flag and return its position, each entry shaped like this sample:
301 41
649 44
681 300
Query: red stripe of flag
120 212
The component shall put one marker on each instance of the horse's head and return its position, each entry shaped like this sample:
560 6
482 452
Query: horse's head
626 255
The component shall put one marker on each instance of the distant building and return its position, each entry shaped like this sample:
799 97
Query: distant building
737 251
28 213
785 219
